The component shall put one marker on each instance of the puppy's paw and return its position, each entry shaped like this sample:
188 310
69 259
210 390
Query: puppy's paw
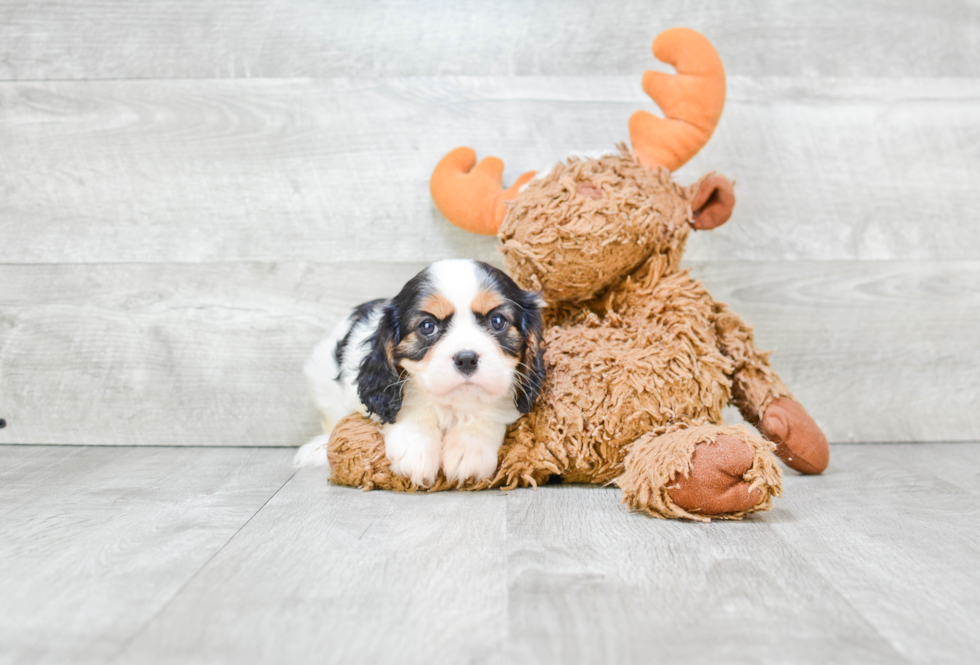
412 452
313 453
468 455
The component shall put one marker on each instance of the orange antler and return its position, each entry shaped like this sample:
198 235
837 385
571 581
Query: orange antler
471 197
692 100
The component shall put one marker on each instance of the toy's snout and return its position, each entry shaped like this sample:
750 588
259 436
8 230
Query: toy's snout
713 203
588 190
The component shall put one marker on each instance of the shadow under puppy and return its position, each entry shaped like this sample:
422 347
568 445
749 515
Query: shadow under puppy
445 366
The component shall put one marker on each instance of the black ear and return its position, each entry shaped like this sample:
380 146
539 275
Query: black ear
531 370
378 381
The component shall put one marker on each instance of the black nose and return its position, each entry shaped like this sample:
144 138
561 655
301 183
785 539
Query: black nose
466 361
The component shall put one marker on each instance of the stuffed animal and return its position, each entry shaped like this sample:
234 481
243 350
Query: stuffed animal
639 358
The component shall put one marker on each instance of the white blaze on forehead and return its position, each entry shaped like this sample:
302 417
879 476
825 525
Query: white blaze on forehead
458 281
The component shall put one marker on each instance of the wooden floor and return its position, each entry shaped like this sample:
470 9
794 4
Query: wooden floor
192 192
193 555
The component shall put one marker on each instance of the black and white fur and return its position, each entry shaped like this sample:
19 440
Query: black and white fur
444 366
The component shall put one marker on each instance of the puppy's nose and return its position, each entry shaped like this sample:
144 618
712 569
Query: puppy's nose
466 361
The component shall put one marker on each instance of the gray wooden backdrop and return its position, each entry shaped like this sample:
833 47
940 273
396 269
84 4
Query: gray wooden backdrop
190 192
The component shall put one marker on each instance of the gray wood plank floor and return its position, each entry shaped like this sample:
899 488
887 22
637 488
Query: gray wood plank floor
97 541
201 555
191 192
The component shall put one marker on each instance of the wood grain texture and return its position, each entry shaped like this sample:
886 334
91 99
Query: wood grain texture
876 351
96 541
179 354
191 171
897 537
228 38
332 574
589 582
211 354
191 192
947 462
869 563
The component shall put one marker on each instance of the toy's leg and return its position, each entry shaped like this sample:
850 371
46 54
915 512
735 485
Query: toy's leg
765 401
701 472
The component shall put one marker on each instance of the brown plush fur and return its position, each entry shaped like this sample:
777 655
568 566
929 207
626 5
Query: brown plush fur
640 359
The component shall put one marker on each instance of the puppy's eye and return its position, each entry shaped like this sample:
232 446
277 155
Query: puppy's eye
498 322
427 327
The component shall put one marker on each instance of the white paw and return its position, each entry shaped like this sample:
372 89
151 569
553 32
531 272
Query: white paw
413 452
313 453
468 455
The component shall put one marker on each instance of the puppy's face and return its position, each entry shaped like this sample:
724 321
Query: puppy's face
465 333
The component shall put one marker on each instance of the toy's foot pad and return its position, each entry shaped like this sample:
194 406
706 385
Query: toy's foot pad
715 484
800 443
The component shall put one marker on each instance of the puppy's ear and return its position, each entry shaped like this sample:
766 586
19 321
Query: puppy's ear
530 373
378 381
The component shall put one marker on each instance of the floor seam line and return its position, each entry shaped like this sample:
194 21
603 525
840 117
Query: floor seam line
146 624
839 593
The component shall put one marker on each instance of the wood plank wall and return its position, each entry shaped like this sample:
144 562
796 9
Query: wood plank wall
191 192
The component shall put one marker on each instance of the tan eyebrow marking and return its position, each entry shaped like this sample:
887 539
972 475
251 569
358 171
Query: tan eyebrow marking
486 301
438 306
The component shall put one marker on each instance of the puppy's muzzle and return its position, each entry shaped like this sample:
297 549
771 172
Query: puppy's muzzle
466 361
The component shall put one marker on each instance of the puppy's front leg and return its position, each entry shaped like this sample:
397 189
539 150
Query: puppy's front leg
413 449
470 450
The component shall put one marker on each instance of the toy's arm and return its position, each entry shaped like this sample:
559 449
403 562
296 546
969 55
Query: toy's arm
765 401
525 459
754 383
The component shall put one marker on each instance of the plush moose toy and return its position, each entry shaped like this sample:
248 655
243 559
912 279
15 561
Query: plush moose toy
640 359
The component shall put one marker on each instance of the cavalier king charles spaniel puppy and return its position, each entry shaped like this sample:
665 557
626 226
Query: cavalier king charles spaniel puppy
444 366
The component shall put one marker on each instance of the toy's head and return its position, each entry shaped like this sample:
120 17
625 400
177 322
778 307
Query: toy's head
589 222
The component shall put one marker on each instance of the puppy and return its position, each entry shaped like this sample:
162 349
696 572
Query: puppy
444 366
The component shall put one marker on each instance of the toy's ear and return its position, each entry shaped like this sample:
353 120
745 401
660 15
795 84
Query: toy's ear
471 195
713 204
379 380
531 369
